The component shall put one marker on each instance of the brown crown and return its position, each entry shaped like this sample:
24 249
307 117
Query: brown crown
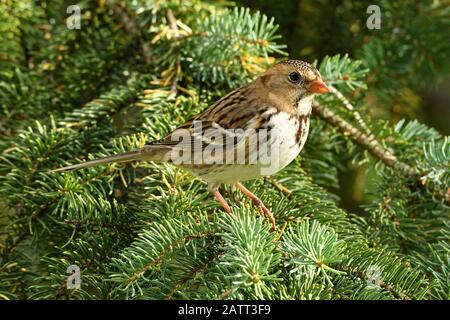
307 70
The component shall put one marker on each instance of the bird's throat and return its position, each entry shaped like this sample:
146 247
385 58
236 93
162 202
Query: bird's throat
304 105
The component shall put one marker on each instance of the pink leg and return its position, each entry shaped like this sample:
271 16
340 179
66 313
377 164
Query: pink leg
222 201
257 201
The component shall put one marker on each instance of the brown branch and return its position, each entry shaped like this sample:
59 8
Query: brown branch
173 25
368 143
397 293
350 107
159 259
374 148
200 269
130 26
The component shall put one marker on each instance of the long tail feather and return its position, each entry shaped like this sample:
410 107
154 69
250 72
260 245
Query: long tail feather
127 156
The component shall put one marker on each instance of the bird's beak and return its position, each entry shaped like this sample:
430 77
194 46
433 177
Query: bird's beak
318 86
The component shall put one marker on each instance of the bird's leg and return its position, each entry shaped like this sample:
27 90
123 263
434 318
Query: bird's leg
222 201
257 201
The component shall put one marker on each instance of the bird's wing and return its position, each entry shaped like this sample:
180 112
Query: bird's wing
234 111
233 122
207 133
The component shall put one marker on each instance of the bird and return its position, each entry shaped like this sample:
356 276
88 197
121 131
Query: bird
253 131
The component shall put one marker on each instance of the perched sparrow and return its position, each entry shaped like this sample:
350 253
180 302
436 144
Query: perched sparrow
253 131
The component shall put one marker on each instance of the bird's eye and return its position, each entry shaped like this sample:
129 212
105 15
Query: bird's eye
294 77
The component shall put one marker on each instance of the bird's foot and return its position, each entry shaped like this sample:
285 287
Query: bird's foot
258 202
222 201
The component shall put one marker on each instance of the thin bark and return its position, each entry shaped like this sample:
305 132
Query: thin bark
131 26
376 149
173 25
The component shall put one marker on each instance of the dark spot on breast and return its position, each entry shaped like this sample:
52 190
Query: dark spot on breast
301 129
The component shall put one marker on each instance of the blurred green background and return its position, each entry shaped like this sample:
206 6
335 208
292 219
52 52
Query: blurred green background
408 57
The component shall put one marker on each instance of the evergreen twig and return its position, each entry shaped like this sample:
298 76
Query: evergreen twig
373 146
174 27
130 24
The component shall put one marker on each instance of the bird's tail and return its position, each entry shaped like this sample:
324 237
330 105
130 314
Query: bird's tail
151 153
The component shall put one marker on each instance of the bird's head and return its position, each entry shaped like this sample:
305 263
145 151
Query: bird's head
294 80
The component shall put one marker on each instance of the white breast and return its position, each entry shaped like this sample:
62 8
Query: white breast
286 147
305 105
287 137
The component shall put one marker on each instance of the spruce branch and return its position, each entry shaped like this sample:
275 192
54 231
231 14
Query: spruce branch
173 25
365 141
193 273
155 232
362 276
350 107
160 258
131 26
374 147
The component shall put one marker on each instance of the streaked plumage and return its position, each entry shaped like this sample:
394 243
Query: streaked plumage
277 103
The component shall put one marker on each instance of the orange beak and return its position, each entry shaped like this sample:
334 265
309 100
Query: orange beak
318 86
